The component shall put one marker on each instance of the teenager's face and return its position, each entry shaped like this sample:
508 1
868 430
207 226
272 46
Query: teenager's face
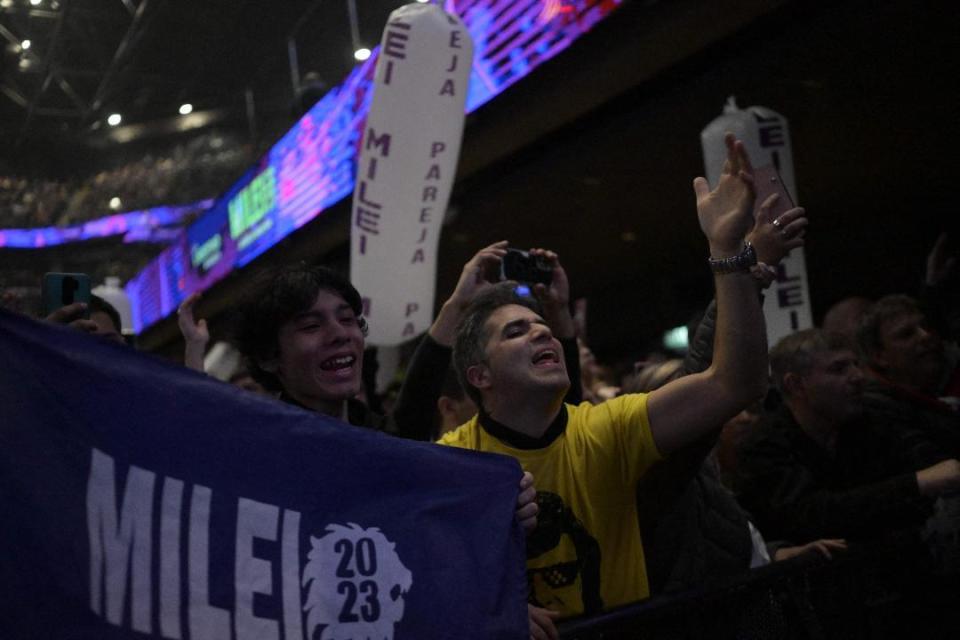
321 351
522 354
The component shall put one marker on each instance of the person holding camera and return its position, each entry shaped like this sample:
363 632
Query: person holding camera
585 554
422 394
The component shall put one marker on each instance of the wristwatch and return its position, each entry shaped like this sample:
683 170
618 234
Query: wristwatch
740 262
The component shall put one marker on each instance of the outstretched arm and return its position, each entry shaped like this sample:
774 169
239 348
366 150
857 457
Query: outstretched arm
687 408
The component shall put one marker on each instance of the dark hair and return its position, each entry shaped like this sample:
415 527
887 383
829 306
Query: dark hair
278 296
472 335
653 376
794 353
883 310
99 304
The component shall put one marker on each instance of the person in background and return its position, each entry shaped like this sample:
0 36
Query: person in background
196 336
844 317
454 407
103 320
820 467
913 384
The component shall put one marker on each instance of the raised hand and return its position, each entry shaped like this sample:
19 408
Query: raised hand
72 316
195 333
555 297
480 273
773 238
939 262
725 213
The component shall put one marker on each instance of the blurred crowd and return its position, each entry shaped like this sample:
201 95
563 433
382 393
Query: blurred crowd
200 168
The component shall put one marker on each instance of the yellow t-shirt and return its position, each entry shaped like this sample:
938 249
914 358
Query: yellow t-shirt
585 554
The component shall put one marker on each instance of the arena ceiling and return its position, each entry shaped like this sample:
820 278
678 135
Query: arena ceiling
143 59
593 154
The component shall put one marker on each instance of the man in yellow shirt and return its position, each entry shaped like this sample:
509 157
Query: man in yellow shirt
585 554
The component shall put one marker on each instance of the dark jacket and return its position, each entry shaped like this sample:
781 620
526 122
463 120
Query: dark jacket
926 429
691 526
358 415
796 490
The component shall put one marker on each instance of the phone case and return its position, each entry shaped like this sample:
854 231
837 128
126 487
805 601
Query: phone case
766 182
62 289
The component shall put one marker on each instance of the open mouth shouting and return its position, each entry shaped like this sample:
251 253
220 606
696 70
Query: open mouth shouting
548 357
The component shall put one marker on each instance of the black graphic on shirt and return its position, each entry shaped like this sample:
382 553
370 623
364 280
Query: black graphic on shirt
555 520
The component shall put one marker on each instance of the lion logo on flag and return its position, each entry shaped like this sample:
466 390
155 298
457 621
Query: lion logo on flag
357 584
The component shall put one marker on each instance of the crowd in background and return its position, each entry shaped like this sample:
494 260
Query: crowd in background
199 168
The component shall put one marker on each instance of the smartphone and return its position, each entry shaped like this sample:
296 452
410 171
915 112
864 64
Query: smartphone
766 182
521 266
62 289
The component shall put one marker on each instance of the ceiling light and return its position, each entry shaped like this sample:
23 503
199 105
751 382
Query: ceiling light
115 203
361 54
25 45
186 109
35 2
114 119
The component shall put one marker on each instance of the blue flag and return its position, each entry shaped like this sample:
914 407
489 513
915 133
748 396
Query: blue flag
139 499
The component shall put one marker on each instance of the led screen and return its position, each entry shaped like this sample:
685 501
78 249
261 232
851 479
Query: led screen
312 166
148 225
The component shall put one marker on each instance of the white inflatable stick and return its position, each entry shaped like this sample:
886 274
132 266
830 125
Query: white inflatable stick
407 163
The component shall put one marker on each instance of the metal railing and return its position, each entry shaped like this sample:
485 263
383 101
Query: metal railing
890 590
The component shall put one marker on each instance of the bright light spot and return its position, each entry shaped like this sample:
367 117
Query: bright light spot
186 109
114 119
676 339
423 1
6 3
25 45
35 2
115 203
361 54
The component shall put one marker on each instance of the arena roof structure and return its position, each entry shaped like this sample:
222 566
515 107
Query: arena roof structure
591 155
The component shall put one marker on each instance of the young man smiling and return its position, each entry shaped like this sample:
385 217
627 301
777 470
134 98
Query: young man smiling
585 554
303 336
302 333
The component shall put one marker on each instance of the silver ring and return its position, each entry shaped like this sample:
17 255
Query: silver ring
776 223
